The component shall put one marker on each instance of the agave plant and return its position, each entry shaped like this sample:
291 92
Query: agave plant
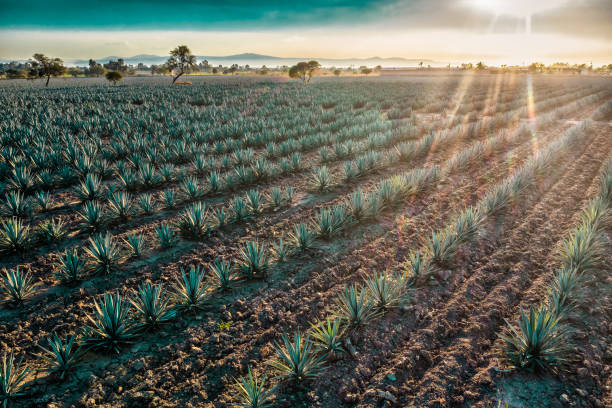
321 179
110 324
192 189
254 200
276 197
194 223
167 238
16 286
52 230
582 250
385 292
21 179
120 204
104 253
61 356
539 344
563 294
418 267
169 198
220 216
466 226
14 236
12 378
16 205
326 335
152 306
136 244
281 251
354 307
296 360
255 260
329 222
71 266
442 246
358 206
190 291
90 188
146 203
214 182
240 211
92 216
222 273
252 392
302 237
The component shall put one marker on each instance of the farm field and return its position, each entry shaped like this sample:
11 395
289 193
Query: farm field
418 214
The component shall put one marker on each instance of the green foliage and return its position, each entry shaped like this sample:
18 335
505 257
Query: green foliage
114 77
190 290
70 267
152 306
146 203
104 253
539 344
52 230
111 326
166 236
136 244
60 356
14 236
222 273
16 286
120 204
254 260
16 205
92 216
193 222
252 392
281 251
354 308
296 360
326 335
302 237
329 222
12 378
384 291
322 179
90 188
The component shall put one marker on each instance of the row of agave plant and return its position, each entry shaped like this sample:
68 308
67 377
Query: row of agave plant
303 357
540 341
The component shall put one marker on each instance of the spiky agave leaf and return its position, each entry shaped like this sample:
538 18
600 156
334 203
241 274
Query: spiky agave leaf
254 200
563 294
136 244
222 273
418 267
281 251
146 203
326 335
190 290
583 249
16 205
252 392
71 266
302 237
52 230
167 238
14 236
539 344
194 222
322 179
354 307
296 360
12 378
120 204
385 292
104 253
90 188
111 325
255 260
152 305
93 216
442 246
61 356
16 286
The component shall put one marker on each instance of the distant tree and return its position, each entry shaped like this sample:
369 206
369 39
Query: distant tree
181 61
480 66
366 70
45 67
114 76
95 69
233 69
378 68
537 67
304 70
13 73
337 72
75 72
215 70
264 71
421 64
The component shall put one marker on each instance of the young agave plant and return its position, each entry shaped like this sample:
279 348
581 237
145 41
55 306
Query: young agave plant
194 223
214 182
358 206
146 203
254 200
276 197
240 211
296 360
565 287
52 230
583 249
442 246
152 306
192 189
71 267
222 273
255 260
326 335
16 205
104 253
467 225
281 251
167 238
111 325
92 216
190 291
60 356
12 378
385 292
90 188
220 216
539 344
120 204
354 307
322 179
16 286
252 392
169 197
329 222
14 236
302 237
43 200
418 267
136 244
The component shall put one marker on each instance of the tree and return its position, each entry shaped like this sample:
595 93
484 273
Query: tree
181 61
75 72
95 69
304 70
480 66
114 76
337 72
366 70
43 66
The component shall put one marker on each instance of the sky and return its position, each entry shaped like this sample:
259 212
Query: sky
494 31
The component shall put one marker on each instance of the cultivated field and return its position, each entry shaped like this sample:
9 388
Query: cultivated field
418 214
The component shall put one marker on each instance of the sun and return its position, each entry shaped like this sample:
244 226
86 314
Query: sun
516 8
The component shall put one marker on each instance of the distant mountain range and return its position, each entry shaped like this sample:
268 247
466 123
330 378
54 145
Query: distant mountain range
257 60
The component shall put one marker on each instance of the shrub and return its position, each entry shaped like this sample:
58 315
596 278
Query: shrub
296 360
16 286
539 344
111 325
